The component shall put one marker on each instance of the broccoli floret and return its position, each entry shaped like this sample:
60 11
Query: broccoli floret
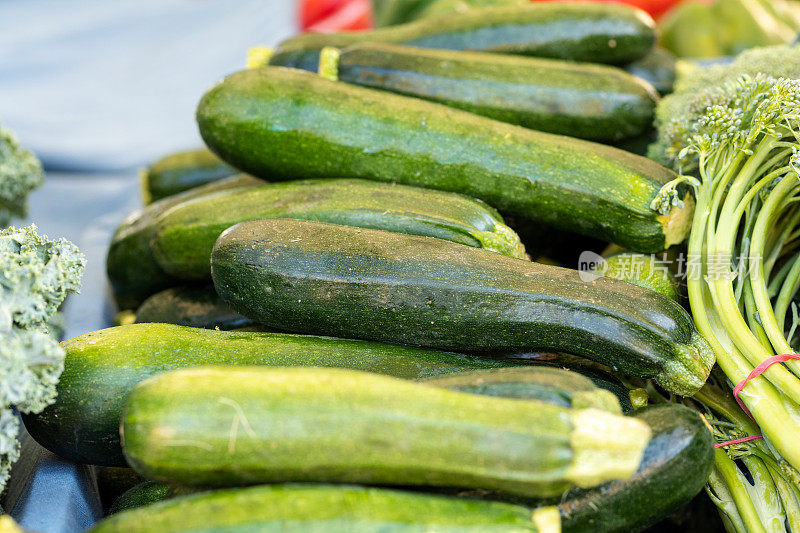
35 276
695 90
20 173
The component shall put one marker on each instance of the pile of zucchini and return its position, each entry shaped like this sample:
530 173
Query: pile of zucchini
333 322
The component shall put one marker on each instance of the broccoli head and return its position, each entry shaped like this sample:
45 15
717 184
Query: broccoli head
36 274
20 173
697 88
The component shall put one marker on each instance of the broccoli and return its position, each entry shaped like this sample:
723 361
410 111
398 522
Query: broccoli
20 173
36 274
688 98
738 145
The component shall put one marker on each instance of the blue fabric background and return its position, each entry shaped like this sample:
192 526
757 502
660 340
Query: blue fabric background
97 89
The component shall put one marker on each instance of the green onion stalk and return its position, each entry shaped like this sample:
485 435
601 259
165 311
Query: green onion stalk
737 147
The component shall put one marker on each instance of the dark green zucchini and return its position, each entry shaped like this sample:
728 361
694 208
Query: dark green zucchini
657 68
114 481
638 145
102 367
298 275
601 375
328 509
547 384
140 495
184 236
289 124
579 31
392 12
647 271
130 265
335 425
675 467
594 102
195 306
437 8
182 171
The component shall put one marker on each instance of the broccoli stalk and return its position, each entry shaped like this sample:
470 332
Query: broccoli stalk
740 143
20 173
36 274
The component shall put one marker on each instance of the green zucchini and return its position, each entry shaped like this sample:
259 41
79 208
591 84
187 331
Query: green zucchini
581 31
657 68
130 265
600 375
646 271
298 275
638 145
189 305
328 509
100 369
392 12
182 171
551 385
335 425
140 495
437 8
184 236
596 102
113 482
287 124
675 467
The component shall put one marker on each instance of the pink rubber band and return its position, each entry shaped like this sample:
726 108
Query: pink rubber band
757 371
737 441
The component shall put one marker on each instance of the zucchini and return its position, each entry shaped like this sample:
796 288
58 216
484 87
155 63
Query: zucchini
551 385
130 265
392 12
113 482
675 467
328 509
298 275
437 8
656 68
100 368
601 375
335 425
184 236
638 145
198 307
647 271
676 463
140 495
596 102
287 124
182 171
581 31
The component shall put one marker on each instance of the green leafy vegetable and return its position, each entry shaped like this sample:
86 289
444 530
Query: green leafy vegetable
20 173
36 274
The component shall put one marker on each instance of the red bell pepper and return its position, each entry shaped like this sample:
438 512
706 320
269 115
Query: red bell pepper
335 15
